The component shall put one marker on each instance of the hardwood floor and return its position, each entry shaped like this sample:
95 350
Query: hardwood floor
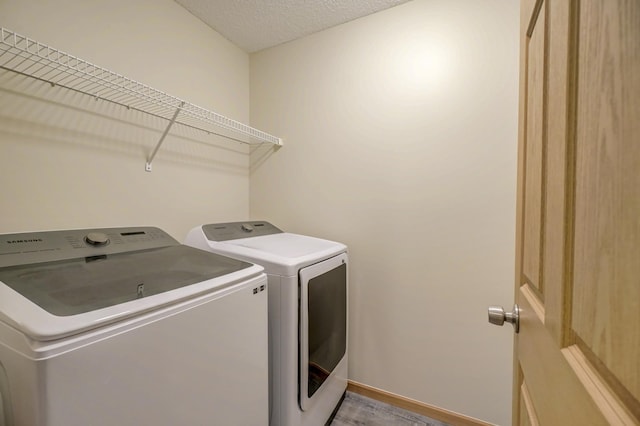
358 410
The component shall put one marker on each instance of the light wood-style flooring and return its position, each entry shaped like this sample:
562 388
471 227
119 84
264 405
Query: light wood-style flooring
358 410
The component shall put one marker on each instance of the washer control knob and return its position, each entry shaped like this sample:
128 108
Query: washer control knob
247 227
97 239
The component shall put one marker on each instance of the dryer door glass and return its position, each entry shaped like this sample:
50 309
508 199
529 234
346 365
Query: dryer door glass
323 322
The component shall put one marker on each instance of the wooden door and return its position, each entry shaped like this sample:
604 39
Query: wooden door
577 355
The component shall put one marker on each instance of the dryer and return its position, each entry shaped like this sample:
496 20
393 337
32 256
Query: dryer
125 326
307 280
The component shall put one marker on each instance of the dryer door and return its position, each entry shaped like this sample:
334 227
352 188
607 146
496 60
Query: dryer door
323 324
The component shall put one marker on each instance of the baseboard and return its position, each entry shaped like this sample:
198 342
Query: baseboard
412 405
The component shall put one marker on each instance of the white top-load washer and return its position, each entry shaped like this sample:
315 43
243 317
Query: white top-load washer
307 314
125 326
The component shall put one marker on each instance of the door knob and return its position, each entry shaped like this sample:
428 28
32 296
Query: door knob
498 316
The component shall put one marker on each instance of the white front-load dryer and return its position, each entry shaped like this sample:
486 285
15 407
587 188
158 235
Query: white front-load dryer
307 279
125 326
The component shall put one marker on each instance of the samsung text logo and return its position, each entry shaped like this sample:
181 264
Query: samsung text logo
34 240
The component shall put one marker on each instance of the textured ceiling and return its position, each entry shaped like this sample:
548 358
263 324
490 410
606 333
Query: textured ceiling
257 24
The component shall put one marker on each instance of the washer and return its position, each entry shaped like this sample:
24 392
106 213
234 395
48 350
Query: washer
125 326
307 314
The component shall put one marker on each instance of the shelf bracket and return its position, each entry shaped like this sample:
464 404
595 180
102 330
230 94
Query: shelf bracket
164 135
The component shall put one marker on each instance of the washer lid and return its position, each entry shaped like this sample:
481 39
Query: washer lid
76 286
57 295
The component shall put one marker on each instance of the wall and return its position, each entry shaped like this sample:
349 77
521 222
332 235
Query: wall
67 161
400 140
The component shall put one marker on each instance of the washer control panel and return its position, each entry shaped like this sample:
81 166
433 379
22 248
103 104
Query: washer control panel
50 246
237 230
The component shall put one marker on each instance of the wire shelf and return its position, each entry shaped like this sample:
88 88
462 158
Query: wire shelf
28 57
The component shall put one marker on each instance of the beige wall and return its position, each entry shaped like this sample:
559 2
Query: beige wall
400 140
67 161
400 136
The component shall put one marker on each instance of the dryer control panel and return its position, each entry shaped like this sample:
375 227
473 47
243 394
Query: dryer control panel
50 246
237 230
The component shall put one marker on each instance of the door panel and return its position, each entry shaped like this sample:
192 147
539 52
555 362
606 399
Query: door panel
558 171
534 151
606 312
552 385
527 414
577 268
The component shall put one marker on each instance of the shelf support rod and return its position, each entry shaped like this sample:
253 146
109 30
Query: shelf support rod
164 135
